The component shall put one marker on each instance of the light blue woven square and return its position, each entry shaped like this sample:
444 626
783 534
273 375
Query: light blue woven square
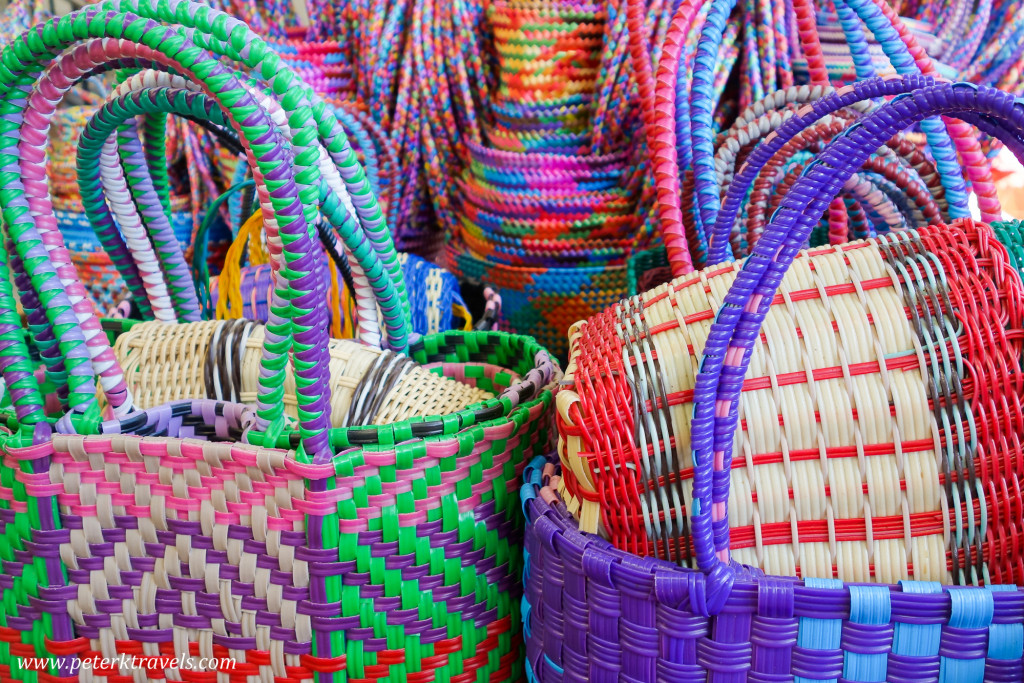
819 634
1005 641
917 640
870 606
972 609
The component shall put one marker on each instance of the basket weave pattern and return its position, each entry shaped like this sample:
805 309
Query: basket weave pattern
880 417
592 612
220 360
386 562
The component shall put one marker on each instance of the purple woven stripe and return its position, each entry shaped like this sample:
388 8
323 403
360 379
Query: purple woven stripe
592 612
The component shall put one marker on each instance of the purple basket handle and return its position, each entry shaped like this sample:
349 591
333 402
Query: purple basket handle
738 323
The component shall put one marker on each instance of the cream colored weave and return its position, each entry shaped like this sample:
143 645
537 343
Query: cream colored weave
832 423
165 363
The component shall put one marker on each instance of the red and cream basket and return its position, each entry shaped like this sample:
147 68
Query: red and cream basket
880 418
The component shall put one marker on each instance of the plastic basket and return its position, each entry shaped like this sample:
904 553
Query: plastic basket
790 455
201 529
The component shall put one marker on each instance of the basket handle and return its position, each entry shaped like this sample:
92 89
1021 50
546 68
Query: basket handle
200 249
368 294
656 95
55 36
734 332
70 67
377 291
663 125
227 36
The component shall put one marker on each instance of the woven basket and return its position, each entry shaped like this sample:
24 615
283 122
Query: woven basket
202 529
760 441
238 518
840 467
547 202
544 301
592 612
549 232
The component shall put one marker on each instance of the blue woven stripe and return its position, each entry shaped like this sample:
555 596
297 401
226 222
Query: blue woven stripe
531 677
971 610
1005 641
917 640
869 606
819 634
554 666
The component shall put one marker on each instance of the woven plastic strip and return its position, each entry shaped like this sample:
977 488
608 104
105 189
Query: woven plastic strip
645 619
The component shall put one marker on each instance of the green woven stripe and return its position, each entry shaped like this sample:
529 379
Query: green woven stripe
1011 234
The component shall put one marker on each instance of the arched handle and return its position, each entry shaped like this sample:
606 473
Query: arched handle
736 327
132 99
289 204
200 248
228 36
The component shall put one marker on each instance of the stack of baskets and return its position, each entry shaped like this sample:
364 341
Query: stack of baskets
205 538
547 214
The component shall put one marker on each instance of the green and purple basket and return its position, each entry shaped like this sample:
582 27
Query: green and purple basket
201 536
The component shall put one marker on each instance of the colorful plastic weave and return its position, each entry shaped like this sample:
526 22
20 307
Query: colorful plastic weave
375 553
826 482
789 423
592 612
446 619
